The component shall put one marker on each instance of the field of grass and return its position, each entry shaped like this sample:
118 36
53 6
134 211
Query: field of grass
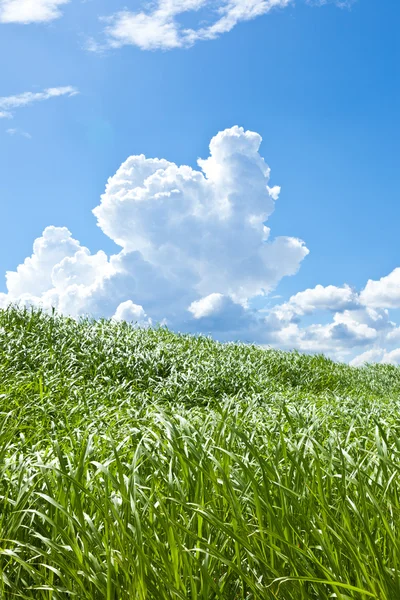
140 464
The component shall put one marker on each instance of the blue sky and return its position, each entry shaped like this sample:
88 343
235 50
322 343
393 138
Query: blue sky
319 83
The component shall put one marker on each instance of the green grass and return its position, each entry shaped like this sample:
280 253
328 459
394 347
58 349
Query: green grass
140 464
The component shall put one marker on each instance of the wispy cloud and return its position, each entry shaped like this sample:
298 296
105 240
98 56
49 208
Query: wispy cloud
19 132
160 28
10 103
339 3
30 11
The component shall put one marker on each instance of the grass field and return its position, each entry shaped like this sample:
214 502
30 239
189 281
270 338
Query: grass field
140 464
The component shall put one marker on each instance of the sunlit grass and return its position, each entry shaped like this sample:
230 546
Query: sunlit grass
140 464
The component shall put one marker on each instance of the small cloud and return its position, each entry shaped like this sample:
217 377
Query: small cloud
133 313
338 3
384 293
19 132
10 103
370 356
329 298
30 11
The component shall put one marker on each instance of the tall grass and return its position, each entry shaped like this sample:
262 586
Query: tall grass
141 464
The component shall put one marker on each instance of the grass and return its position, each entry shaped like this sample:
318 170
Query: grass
140 464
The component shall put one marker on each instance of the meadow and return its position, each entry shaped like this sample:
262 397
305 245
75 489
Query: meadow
146 465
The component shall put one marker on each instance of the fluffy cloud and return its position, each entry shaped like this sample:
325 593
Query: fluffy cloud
208 306
204 226
392 357
195 252
351 325
161 27
380 355
225 319
384 293
194 244
347 331
30 11
369 356
130 312
309 301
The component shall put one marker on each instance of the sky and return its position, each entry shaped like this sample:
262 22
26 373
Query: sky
228 168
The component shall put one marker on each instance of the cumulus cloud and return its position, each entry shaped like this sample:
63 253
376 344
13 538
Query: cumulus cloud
384 293
222 317
130 312
206 225
195 253
48 266
377 355
209 305
351 325
30 11
4 300
8 104
372 355
330 298
392 357
194 243
347 331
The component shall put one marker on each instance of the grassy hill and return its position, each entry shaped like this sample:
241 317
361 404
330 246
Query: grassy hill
140 464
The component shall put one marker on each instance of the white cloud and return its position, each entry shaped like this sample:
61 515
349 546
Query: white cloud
370 356
330 298
392 357
339 3
130 312
384 293
338 339
4 300
394 335
19 132
185 234
352 325
161 27
207 306
205 225
195 251
377 355
60 273
9 103
30 11
225 319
